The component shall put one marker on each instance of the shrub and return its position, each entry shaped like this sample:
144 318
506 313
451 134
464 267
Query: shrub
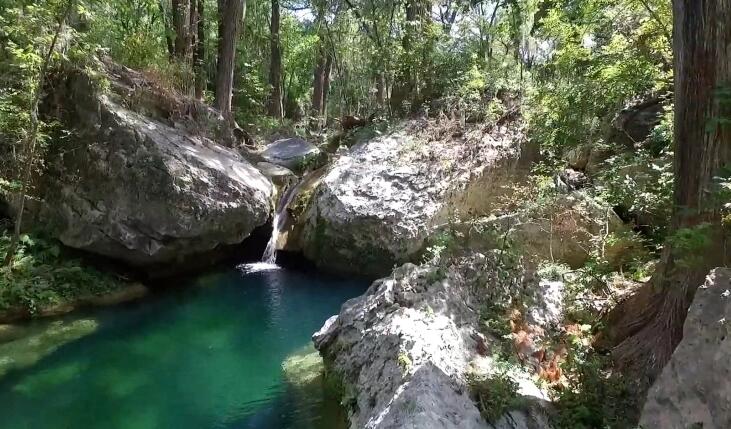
42 275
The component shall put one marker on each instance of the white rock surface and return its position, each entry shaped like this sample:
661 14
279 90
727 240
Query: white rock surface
694 389
380 201
404 347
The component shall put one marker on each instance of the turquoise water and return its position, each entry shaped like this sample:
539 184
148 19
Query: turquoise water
205 356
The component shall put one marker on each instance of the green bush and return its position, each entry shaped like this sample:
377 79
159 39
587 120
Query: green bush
494 395
41 275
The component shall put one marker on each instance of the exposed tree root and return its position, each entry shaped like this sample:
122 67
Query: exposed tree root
644 330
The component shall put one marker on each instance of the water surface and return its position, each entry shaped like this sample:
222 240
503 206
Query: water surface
205 356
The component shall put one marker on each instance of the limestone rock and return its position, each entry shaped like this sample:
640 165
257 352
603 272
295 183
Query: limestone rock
405 346
293 153
378 203
303 366
40 341
565 229
142 189
694 389
276 173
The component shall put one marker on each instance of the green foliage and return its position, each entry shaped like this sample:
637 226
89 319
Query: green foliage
641 181
494 395
691 244
607 53
593 397
41 275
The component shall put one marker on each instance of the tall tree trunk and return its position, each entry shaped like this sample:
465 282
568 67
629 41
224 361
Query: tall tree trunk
181 24
406 86
231 15
381 89
29 148
165 16
275 67
317 85
647 327
318 78
326 84
199 53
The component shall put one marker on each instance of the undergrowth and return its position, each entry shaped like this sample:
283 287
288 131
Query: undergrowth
494 395
42 275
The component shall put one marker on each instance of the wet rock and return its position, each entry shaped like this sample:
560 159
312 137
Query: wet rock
276 173
694 389
40 341
303 367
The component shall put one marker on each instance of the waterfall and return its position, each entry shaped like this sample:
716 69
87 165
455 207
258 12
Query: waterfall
269 258
280 217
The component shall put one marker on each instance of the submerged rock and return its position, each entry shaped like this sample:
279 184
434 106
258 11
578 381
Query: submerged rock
141 188
40 341
404 347
694 389
380 200
303 367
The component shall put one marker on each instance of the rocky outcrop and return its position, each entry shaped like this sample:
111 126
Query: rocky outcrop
143 187
403 348
694 389
381 199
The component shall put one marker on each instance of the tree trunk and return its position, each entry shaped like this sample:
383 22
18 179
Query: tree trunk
29 148
647 327
326 84
168 30
275 67
181 25
199 54
318 83
231 15
381 89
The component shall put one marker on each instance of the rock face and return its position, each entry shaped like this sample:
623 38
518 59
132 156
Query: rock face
381 199
403 348
144 190
694 389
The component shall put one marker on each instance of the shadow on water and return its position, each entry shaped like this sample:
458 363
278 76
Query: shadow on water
205 356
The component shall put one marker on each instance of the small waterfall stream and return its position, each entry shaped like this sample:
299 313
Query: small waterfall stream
269 258
280 217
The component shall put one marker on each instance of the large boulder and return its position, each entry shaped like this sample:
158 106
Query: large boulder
379 202
694 389
404 349
142 187
293 153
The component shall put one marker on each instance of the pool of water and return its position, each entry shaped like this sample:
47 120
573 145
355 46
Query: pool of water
208 355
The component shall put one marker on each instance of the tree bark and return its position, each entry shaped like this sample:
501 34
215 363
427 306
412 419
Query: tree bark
326 84
181 25
29 148
168 30
318 84
275 67
647 327
231 15
199 52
